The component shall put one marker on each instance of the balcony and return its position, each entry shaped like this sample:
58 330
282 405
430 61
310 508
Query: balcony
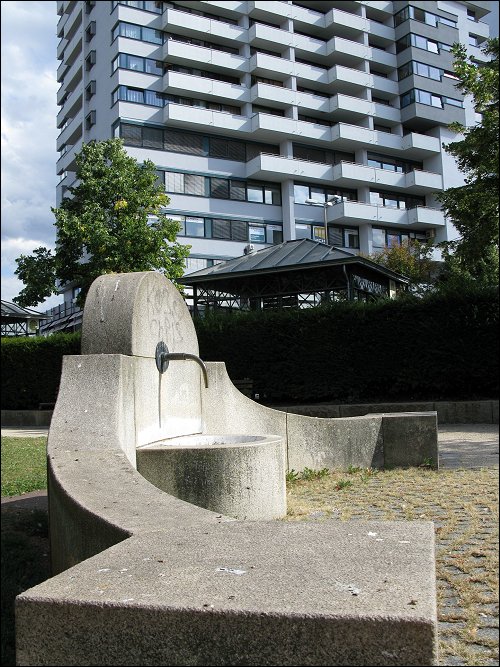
357 213
197 118
345 24
67 161
310 73
266 127
353 175
228 5
71 132
271 67
267 37
310 101
176 83
280 168
347 52
197 56
345 108
269 95
416 146
188 24
349 81
60 48
308 45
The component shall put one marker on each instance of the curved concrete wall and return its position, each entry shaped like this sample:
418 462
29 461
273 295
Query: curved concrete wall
242 477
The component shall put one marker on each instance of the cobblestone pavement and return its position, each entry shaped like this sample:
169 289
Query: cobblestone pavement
462 501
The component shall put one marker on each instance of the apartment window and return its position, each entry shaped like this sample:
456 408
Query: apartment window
226 148
172 67
257 108
155 7
152 137
420 42
303 231
316 121
222 188
138 96
138 64
89 6
90 31
263 194
133 31
90 89
262 79
267 52
351 238
389 238
90 61
311 63
202 104
237 190
423 16
471 15
395 200
200 42
256 233
421 69
382 128
427 98
392 164
301 89
473 40
183 142
195 226
303 191
90 119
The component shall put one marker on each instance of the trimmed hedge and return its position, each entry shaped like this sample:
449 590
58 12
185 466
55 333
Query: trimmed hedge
31 369
442 347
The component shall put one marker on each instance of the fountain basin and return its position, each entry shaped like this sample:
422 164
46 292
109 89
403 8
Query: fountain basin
241 476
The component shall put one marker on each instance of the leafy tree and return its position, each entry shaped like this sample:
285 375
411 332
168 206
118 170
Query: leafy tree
105 227
473 207
413 261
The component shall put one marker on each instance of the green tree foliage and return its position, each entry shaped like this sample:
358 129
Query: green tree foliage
473 207
413 261
104 227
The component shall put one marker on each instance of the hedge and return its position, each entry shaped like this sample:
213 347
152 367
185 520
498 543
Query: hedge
441 347
31 369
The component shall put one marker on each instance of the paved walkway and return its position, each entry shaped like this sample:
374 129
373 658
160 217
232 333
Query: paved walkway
460 445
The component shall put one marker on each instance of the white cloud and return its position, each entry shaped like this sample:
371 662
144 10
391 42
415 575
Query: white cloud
29 133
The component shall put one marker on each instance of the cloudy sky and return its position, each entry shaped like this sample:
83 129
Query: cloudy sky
29 110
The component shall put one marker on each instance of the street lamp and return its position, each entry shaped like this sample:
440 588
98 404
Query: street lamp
332 199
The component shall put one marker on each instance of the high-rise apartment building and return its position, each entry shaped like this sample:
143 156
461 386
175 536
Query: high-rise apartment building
258 113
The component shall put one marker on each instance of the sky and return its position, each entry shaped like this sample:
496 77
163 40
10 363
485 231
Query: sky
29 133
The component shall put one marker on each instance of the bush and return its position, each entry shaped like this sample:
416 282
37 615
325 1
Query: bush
432 348
440 347
31 369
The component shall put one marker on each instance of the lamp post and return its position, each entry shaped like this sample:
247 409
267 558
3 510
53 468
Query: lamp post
332 199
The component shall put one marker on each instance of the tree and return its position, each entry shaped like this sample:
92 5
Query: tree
113 222
412 260
473 207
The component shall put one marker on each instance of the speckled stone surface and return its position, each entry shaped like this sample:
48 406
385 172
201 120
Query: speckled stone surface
242 593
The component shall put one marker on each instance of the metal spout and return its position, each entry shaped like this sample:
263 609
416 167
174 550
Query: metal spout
163 358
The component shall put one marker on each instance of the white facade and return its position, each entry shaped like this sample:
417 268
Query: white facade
250 108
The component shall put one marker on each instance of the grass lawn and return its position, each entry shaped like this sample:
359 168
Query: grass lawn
24 465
